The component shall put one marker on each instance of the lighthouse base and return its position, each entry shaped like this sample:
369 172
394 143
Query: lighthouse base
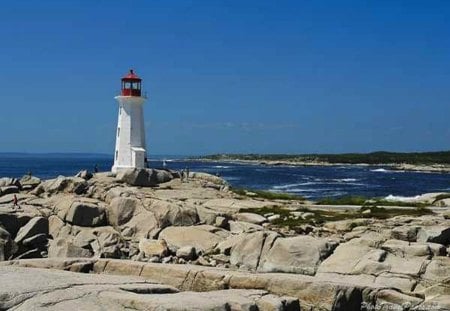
138 160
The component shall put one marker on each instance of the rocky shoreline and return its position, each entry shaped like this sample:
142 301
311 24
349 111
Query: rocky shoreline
423 168
148 240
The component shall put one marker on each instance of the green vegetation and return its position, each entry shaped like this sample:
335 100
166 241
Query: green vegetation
318 217
363 201
267 194
380 157
347 200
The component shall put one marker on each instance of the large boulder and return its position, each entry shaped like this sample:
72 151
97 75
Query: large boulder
251 218
144 177
300 254
436 234
248 249
75 185
7 245
85 174
130 216
86 214
62 247
13 222
153 247
121 210
203 238
172 214
8 190
30 181
6 181
35 226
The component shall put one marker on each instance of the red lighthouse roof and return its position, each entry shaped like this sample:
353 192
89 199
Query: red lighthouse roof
131 76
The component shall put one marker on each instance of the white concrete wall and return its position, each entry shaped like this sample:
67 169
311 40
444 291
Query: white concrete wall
131 133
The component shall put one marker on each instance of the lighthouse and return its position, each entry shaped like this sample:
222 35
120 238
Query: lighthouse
130 149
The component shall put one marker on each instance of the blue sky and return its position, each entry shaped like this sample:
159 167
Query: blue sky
228 76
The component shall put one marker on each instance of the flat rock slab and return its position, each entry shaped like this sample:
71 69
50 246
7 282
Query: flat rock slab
45 289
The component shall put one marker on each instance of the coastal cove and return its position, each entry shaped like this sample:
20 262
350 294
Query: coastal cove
311 181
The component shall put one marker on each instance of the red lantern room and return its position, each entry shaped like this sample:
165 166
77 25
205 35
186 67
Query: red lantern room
131 84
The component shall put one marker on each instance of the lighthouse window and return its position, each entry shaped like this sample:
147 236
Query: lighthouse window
118 131
127 85
135 86
117 154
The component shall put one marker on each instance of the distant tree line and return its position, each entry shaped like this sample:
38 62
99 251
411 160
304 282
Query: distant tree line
379 157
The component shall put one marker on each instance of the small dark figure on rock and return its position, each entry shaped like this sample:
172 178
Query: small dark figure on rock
16 203
96 168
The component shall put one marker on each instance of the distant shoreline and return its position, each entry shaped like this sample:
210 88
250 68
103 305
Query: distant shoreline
429 168
373 159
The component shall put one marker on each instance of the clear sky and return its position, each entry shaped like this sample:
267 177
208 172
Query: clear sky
228 76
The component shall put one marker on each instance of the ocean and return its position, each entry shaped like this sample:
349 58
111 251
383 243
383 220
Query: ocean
312 182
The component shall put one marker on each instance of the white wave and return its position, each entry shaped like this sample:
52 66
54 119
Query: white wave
401 198
221 166
345 179
381 170
234 178
288 186
304 190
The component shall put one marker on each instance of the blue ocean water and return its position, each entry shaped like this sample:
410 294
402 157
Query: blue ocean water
312 182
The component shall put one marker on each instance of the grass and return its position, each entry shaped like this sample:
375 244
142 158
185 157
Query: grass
347 200
319 217
267 194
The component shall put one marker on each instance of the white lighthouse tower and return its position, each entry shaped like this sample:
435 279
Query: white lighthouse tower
130 149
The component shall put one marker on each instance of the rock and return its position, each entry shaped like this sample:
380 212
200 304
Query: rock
144 177
65 248
13 222
442 202
35 226
355 257
251 218
405 233
273 217
8 190
121 210
55 224
86 214
221 222
84 239
308 215
32 253
250 248
153 247
62 184
85 174
7 245
346 225
6 181
187 253
300 254
435 234
170 214
38 241
31 181
203 237
207 177
240 227
438 270
403 248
